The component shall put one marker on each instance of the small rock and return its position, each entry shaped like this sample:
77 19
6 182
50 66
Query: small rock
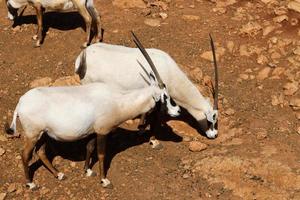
294 5
67 81
16 29
244 76
40 82
295 103
290 88
12 188
251 29
190 17
261 59
263 74
73 164
197 74
230 46
297 51
298 115
229 111
2 151
196 146
207 55
2 196
163 15
267 30
298 131
262 134
185 176
278 71
152 22
277 100
294 21
280 18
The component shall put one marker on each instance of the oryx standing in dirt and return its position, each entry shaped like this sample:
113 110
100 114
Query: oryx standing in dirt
115 64
74 112
85 8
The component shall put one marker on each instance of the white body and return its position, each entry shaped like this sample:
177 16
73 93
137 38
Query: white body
119 65
72 113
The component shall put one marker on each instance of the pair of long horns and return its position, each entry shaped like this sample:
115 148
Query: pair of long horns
149 60
216 87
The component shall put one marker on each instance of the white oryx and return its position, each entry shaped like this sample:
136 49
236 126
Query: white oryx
74 112
85 8
115 64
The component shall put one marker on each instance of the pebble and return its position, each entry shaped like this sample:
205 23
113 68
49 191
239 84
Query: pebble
229 111
298 131
298 115
190 17
12 188
2 151
290 88
196 146
152 22
295 103
2 196
185 176
263 74
40 82
163 15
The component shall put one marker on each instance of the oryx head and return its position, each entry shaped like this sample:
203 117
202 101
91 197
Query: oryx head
212 113
162 96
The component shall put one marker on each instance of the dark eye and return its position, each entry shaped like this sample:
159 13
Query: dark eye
173 102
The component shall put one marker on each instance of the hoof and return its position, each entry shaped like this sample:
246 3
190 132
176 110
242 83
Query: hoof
31 186
35 37
106 184
90 173
155 144
37 44
61 176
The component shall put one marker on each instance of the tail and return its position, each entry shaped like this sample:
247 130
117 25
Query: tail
11 130
80 65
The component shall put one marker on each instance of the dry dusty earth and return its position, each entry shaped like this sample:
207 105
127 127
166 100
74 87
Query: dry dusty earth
256 155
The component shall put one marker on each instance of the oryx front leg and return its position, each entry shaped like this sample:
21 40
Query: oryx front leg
101 145
88 23
154 129
89 150
39 33
26 155
42 155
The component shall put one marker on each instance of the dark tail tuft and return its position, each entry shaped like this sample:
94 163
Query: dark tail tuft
8 130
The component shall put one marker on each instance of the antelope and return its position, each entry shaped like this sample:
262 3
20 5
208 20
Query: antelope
85 8
75 112
114 64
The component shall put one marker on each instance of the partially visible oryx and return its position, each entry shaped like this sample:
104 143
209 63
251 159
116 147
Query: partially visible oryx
115 64
85 8
74 112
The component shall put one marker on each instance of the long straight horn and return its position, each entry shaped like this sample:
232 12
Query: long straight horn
149 60
216 88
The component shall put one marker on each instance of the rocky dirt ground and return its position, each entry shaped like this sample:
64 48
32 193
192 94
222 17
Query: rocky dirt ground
256 155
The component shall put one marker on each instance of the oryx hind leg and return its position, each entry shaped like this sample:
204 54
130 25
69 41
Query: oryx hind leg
90 147
41 152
